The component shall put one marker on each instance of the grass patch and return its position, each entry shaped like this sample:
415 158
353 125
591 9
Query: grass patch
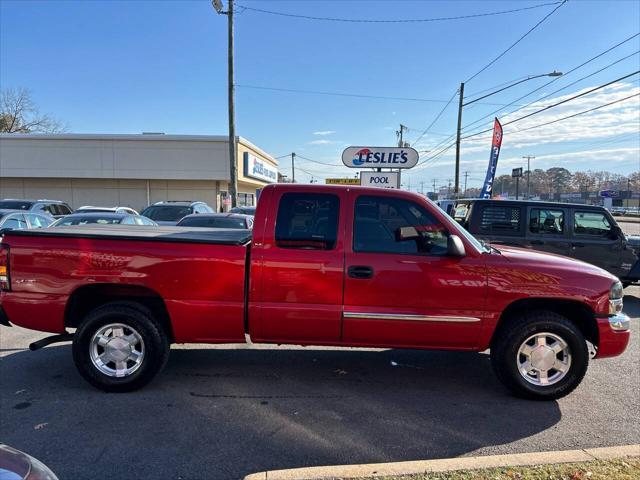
627 469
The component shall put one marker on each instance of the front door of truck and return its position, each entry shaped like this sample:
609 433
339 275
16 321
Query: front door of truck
297 269
408 293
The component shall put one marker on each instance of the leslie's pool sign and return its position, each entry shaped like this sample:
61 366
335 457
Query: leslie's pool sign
380 157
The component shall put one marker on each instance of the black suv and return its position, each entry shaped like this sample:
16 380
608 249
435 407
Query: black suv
584 232
56 208
170 212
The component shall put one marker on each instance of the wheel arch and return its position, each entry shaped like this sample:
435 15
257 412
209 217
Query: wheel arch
88 297
578 313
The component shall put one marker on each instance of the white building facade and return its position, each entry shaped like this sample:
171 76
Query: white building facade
130 170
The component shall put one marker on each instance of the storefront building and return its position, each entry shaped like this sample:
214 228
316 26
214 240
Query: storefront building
130 170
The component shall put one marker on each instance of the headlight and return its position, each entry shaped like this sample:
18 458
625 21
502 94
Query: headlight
615 298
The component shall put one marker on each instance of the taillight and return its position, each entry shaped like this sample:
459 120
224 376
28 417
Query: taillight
4 268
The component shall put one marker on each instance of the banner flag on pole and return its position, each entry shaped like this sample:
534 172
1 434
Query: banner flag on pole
487 187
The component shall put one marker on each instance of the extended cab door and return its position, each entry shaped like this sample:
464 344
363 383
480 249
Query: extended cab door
297 264
408 293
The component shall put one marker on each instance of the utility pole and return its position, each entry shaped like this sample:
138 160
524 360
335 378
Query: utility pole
529 158
466 174
233 157
400 136
293 167
458 131
422 188
434 186
449 188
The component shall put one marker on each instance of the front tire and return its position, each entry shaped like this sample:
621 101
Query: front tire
120 347
540 355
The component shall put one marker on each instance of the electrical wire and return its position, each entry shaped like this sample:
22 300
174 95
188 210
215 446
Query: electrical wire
516 42
408 20
316 161
587 92
435 119
493 113
577 114
355 95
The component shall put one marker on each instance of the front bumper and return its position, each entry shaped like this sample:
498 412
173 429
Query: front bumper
614 335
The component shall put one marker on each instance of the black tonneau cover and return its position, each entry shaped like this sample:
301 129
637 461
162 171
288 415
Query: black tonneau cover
216 236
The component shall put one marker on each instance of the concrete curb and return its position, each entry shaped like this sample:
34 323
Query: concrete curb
448 464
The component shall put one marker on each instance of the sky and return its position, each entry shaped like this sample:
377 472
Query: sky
161 66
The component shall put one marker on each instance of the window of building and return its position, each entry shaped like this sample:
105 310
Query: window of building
245 199
591 223
393 225
308 221
545 221
500 220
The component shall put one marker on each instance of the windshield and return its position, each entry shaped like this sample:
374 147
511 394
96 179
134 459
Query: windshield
15 204
68 221
458 230
214 222
166 213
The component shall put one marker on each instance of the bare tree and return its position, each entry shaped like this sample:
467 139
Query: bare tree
19 114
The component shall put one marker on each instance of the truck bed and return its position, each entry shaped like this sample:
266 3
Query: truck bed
211 236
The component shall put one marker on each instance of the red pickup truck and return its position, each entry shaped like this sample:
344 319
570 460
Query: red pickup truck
324 265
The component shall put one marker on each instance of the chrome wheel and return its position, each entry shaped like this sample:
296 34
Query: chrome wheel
544 359
117 350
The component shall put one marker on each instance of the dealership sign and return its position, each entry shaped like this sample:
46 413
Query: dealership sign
380 157
258 169
380 179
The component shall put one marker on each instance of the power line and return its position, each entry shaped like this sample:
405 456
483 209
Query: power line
587 92
409 20
435 119
579 113
517 41
493 113
355 95
316 161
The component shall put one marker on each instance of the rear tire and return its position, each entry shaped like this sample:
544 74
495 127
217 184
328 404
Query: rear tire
539 355
120 347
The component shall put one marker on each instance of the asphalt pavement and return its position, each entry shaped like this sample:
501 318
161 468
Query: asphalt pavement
223 412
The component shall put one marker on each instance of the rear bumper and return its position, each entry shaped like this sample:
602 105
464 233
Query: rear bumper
614 335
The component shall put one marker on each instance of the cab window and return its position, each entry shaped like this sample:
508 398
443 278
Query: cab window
307 221
593 224
394 225
14 222
500 220
545 221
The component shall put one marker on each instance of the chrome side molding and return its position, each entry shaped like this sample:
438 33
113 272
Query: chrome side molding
410 317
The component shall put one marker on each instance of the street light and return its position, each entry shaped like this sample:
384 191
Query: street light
233 160
462 104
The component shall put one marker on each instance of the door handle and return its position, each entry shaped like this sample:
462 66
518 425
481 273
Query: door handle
537 242
360 271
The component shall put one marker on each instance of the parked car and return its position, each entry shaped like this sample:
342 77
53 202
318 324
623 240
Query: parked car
90 209
19 220
55 208
584 232
218 220
324 265
103 219
171 212
17 465
446 205
244 210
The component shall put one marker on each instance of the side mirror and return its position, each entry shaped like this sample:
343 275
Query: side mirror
406 233
616 232
455 247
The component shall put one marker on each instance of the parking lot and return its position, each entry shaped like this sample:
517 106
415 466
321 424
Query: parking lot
223 412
